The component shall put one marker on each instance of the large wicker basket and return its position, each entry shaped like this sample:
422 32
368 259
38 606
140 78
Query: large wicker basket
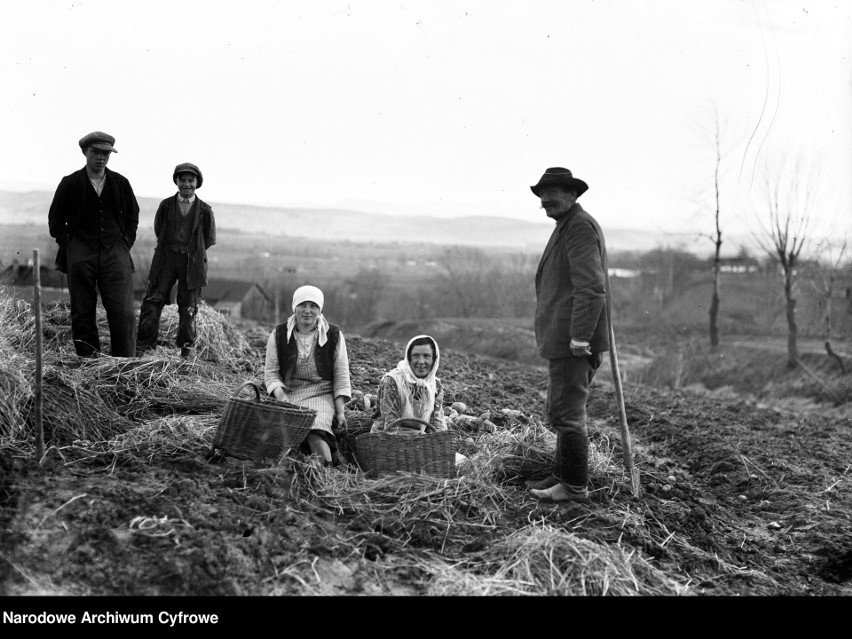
407 450
252 429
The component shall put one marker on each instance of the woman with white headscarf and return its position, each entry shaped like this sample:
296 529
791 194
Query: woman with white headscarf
307 365
412 389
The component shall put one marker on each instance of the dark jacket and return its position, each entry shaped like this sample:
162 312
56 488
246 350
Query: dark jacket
570 287
69 203
202 237
288 352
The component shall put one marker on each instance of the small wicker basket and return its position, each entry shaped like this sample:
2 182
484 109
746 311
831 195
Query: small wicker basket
252 429
409 451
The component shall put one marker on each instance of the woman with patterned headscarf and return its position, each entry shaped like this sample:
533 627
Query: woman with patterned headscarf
412 389
307 365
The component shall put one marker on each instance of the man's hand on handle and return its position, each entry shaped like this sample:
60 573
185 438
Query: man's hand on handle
580 348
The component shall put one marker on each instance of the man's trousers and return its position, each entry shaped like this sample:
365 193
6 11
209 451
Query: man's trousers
94 269
567 392
173 269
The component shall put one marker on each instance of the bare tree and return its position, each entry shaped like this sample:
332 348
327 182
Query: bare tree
789 198
712 134
355 301
673 270
717 238
465 282
824 281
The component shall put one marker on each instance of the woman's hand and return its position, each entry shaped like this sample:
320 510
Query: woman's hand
279 394
340 427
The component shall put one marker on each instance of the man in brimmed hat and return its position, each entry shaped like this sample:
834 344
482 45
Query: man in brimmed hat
93 217
185 229
570 328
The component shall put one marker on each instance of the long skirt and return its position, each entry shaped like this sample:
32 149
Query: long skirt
309 390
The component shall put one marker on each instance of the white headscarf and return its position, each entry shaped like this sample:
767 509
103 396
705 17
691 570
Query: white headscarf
309 294
417 394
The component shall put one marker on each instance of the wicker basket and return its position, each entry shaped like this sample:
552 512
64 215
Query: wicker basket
409 451
252 429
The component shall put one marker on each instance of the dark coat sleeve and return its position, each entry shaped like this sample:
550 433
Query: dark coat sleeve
131 214
60 219
209 228
159 230
583 252
57 217
160 218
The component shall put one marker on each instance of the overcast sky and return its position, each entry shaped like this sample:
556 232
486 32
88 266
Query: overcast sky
447 108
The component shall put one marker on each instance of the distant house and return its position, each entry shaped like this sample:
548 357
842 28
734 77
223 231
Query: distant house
22 275
738 265
615 271
234 298
18 280
237 298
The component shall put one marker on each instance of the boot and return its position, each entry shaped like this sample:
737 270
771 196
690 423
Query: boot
562 493
541 484
552 479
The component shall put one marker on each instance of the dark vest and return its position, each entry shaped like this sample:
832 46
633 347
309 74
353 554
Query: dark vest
99 223
288 352
180 228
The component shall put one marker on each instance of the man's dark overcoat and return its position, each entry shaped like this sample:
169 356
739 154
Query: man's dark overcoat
570 287
68 207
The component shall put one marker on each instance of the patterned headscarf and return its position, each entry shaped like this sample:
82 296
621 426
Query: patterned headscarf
417 394
309 294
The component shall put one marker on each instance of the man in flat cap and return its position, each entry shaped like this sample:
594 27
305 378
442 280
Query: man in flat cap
570 328
93 217
185 229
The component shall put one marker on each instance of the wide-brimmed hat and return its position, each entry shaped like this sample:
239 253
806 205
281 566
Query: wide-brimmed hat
99 140
188 167
557 176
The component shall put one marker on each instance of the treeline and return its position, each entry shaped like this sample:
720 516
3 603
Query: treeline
663 287
367 283
453 282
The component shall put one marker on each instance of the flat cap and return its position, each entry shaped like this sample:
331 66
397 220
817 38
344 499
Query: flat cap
99 140
188 167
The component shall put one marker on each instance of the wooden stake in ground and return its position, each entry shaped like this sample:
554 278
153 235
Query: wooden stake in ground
619 395
37 311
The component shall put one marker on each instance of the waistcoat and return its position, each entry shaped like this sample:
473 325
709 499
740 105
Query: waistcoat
99 223
288 352
180 228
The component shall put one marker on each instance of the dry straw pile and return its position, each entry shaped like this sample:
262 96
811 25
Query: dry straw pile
471 535
543 559
95 401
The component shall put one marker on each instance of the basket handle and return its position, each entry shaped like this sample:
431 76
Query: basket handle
254 387
274 401
413 423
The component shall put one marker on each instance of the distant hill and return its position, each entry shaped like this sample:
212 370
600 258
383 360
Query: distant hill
31 208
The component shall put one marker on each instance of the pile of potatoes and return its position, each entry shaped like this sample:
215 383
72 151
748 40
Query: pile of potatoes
456 414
